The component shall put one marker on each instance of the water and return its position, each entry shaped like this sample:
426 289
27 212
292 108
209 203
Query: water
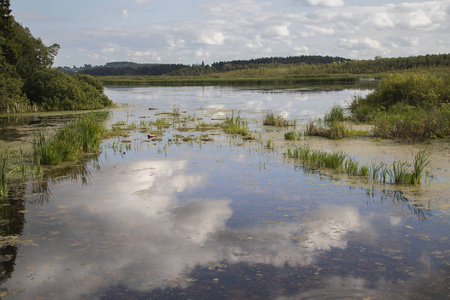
221 219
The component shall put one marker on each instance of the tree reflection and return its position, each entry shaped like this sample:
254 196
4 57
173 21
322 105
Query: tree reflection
12 221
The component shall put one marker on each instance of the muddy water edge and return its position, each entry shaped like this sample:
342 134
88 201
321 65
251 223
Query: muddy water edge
173 208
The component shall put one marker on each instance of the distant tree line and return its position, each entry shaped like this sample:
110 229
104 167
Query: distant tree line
126 68
252 63
27 79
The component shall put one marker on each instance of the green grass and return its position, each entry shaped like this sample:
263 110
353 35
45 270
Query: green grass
290 136
332 125
70 143
235 124
272 118
399 173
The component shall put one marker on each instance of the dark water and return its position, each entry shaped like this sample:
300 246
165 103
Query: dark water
218 220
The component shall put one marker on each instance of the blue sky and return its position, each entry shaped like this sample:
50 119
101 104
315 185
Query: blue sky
191 31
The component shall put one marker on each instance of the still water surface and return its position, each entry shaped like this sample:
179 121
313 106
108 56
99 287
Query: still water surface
221 219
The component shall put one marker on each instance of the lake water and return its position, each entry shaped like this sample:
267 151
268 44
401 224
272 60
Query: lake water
224 219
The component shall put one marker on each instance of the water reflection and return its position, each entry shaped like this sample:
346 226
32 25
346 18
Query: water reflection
299 105
139 234
209 222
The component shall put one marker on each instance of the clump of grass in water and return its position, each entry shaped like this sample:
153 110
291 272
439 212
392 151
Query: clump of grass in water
74 139
340 161
235 124
292 135
332 125
272 118
421 161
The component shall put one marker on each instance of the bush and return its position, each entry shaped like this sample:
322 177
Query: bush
411 107
54 90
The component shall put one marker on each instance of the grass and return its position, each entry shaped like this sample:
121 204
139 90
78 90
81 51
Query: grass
272 118
70 143
235 124
332 125
399 173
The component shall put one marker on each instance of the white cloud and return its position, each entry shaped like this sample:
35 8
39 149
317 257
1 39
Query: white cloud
227 30
276 31
331 3
125 14
322 30
210 37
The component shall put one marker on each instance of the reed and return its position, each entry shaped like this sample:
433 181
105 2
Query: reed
69 143
400 174
340 161
420 162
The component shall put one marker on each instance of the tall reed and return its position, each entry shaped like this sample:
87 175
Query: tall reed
69 143
399 173
421 161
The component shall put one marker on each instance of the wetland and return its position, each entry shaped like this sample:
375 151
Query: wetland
171 207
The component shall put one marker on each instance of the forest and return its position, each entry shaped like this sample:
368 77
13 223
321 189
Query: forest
293 66
28 82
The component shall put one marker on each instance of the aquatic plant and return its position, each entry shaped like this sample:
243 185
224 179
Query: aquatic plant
290 136
331 126
420 162
69 143
336 114
235 124
272 118
400 172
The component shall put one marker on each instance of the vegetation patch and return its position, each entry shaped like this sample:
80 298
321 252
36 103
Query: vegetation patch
272 118
400 172
71 142
409 107
235 124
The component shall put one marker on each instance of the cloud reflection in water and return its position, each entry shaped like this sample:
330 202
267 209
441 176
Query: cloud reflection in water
139 234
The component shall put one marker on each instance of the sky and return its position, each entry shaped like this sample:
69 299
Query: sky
196 31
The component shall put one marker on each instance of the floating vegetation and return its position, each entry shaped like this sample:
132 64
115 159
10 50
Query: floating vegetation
400 172
272 118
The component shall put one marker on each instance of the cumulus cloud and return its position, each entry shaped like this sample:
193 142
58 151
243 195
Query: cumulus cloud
210 37
249 29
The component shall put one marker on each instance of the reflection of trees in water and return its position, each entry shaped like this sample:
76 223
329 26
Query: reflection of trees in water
12 216
81 172
12 222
